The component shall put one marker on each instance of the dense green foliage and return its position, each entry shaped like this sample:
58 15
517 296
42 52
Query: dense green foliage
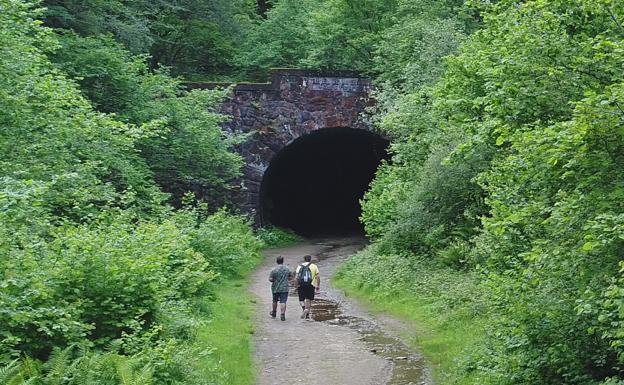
509 163
186 148
327 34
195 38
100 280
502 200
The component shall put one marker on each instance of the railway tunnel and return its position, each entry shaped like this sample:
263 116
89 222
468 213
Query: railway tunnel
314 184
309 153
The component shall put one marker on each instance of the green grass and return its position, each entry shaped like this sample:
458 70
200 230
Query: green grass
443 338
228 333
443 327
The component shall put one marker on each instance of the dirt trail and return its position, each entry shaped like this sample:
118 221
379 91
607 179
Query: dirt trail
342 345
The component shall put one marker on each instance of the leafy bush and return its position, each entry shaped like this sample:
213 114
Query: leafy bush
570 232
95 282
90 257
456 255
63 368
380 205
443 206
115 282
192 152
410 52
106 72
330 34
277 236
227 242
194 37
516 153
185 148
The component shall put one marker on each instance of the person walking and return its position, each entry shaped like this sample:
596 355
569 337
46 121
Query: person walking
279 278
308 282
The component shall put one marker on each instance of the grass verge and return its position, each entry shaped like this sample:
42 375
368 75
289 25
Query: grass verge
444 309
228 333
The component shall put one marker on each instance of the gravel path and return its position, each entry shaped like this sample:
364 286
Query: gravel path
297 351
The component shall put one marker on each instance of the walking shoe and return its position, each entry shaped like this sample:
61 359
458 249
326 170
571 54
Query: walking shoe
272 313
307 316
283 317
303 314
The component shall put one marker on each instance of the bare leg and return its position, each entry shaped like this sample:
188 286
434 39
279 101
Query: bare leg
283 308
303 313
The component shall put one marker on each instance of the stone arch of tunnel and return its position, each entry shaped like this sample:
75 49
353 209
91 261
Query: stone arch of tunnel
314 184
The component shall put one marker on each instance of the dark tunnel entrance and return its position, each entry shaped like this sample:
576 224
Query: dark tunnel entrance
313 186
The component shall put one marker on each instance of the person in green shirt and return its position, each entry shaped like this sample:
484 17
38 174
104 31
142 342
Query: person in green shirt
280 277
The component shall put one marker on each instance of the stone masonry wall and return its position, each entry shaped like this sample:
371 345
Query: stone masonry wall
295 103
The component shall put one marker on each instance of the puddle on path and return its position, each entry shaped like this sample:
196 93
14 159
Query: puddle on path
409 368
329 251
333 249
324 310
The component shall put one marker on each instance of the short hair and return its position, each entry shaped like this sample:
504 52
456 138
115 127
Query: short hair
280 260
307 258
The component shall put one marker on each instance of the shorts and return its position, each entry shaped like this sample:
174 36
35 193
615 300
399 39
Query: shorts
281 297
306 292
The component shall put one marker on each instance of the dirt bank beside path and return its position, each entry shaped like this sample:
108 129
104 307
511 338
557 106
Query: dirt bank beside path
343 345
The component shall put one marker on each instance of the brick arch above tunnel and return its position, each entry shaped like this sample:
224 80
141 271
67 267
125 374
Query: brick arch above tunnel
295 103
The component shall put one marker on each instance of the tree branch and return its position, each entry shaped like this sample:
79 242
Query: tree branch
619 107
615 20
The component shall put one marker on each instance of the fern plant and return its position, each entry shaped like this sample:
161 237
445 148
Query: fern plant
19 372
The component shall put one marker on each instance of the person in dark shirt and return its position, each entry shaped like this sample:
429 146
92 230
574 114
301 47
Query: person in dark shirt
279 278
